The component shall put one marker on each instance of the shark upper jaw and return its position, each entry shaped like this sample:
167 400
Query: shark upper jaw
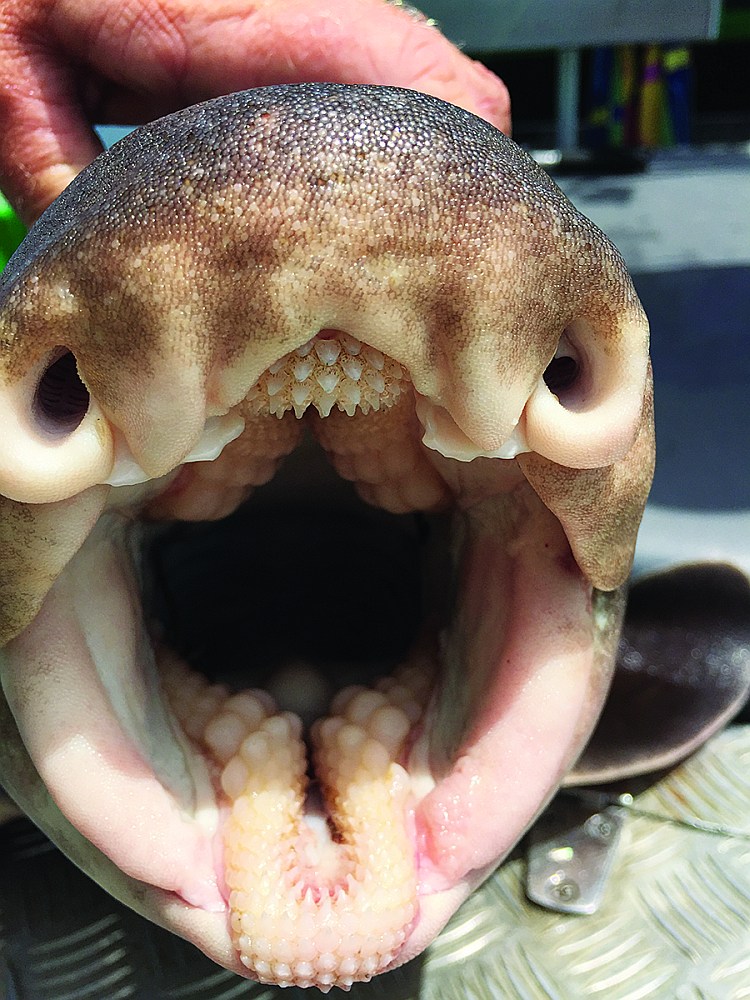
525 654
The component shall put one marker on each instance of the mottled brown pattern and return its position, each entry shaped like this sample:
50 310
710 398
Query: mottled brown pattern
600 509
37 542
214 241
174 243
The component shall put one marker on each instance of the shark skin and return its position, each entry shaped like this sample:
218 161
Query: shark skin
389 280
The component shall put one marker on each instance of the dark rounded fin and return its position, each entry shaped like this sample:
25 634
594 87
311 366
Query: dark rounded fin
683 672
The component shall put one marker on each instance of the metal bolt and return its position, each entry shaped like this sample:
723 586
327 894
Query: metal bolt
599 827
566 891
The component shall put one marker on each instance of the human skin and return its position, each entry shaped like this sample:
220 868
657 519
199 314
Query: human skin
68 64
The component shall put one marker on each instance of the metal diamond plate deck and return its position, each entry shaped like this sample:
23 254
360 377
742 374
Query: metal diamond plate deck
675 923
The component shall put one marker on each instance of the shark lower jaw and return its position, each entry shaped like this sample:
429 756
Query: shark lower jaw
330 870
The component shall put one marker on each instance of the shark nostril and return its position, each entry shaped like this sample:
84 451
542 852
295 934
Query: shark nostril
61 400
565 371
584 413
56 442
561 374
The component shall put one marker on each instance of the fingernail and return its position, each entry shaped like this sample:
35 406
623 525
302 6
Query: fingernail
492 98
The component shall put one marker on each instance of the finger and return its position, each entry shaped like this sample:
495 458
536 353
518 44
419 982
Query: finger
195 49
357 41
163 54
44 143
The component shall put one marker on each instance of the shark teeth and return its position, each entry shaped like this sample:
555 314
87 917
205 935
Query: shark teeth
334 369
307 908
330 370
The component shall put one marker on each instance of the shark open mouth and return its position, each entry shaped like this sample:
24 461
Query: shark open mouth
417 784
413 789
326 833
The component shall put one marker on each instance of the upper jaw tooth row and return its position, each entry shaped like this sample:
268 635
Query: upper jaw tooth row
336 370
333 370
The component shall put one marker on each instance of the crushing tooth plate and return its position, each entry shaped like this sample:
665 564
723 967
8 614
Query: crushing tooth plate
674 920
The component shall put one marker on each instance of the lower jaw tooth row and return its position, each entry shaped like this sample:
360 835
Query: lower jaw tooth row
326 372
307 910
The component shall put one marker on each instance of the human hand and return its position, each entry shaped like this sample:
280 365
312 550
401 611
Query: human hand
67 64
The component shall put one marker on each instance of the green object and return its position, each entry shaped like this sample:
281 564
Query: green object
735 25
12 231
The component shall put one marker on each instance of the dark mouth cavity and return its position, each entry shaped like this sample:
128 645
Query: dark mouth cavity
303 572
